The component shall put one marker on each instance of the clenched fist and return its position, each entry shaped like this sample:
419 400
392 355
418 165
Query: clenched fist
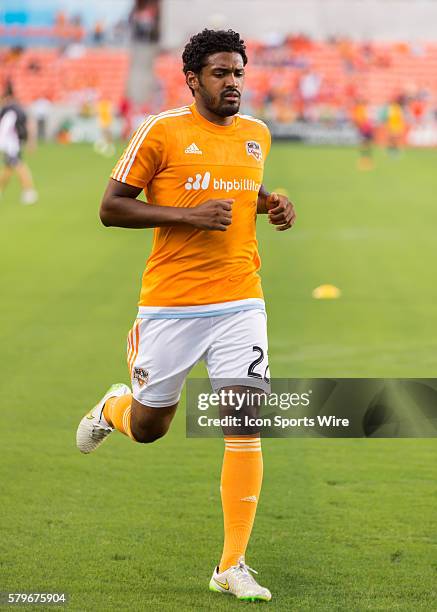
214 215
281 211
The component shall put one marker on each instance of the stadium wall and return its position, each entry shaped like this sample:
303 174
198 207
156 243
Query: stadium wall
409 20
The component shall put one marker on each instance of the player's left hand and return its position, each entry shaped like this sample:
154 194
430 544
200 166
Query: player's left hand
280 211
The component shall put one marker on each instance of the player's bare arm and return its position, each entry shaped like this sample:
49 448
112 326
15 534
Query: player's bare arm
120 208
279 208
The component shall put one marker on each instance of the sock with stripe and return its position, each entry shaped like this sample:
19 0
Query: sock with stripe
241 480
117 412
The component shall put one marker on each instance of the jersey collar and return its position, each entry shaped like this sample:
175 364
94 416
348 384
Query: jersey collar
212 127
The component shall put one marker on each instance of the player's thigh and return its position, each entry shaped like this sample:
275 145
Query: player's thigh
238 354
160 354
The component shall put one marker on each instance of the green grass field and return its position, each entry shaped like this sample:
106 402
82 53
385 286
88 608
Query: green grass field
342 524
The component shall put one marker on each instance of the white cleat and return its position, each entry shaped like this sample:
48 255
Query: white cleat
238 581
93 428
29 196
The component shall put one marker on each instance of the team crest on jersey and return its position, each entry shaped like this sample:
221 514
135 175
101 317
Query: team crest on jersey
141 376
254 148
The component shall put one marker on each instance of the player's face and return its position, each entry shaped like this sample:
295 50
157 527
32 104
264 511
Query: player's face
220 83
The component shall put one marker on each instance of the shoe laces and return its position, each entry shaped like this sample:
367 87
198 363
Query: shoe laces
244 574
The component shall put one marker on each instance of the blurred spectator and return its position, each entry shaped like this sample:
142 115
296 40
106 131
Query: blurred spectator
144 20
60 19
98 33
77 29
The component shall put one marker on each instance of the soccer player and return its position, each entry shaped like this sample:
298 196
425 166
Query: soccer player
201 298
104 144
13 135
363 122
396 126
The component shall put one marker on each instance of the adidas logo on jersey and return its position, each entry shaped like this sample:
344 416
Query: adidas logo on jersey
193 149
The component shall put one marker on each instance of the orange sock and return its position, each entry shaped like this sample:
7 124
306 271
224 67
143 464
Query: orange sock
117 413
240 488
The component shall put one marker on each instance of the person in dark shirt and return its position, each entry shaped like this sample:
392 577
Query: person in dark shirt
13 136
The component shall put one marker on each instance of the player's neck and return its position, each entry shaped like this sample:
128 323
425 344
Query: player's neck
212 117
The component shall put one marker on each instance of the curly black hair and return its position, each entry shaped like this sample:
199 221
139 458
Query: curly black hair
207 42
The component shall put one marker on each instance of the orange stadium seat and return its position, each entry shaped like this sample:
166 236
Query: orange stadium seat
45 72
378 71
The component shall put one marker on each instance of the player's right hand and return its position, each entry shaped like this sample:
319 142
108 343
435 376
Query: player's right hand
214 215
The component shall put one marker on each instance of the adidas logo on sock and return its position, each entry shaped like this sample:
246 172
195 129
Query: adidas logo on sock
251 498
194 149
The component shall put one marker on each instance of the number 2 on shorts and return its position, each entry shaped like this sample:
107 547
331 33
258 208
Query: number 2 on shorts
251 370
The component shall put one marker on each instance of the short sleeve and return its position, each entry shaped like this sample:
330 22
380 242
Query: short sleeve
268 139
143 156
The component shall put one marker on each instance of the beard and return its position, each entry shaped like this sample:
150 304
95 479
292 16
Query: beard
219 106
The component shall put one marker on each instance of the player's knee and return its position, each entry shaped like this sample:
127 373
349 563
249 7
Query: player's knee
147 435
149 424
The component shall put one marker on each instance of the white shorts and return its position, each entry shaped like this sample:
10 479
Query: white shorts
161 353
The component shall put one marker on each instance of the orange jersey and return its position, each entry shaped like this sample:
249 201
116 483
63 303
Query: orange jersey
181 159
104 112
395 119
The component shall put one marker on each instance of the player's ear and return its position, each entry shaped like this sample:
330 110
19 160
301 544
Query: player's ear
192 80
